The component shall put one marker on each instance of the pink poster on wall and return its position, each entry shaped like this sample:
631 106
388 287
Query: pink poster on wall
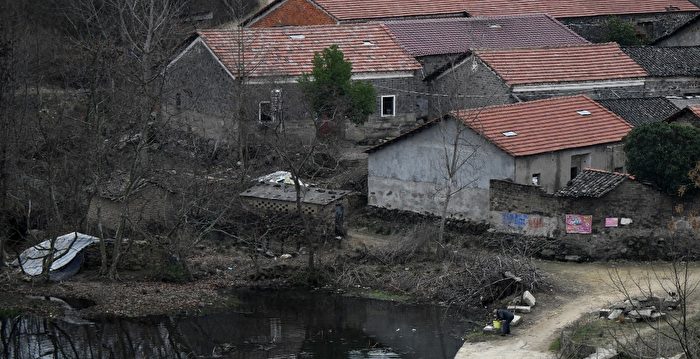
611 222
576 223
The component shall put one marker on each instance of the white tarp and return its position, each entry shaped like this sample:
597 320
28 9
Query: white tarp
66 247
281 177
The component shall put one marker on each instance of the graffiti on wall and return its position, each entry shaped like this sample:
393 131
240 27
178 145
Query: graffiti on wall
515 220
577 223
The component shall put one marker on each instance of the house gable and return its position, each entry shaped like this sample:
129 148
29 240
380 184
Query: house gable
291 13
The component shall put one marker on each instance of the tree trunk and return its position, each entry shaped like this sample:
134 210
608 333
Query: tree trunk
104 265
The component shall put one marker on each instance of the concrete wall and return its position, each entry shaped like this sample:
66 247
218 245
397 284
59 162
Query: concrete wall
687 36
599 90
555 167
410 174
651 26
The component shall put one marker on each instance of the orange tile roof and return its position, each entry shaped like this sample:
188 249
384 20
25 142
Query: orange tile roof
546 125
289 51
695 109
374 9
575 8
562 64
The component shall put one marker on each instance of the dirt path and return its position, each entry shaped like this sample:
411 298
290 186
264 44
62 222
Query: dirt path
588 288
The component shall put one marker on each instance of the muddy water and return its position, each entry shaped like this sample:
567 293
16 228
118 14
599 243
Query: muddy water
269 324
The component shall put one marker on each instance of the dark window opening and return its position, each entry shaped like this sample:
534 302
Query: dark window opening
388 105
178 100
574 172
619 170
265 112
536 179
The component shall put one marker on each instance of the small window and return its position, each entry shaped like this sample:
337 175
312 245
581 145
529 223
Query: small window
264 112
388 105
574 172
536 179
510 134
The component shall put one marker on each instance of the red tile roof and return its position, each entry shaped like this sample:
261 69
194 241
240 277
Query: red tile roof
375 9
562 64
289 51
575 8
695 109
546 125
458 35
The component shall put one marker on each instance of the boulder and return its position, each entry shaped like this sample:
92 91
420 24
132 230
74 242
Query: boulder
529 299
615 314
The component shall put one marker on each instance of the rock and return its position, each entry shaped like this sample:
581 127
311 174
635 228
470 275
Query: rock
657 315
603 353
286 256
509 274
516 320
547 253
520 308
488 329
269 254
615 314
529 299
572 258
640 313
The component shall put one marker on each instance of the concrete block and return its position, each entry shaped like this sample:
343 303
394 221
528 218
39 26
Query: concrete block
529 299
516 320
520 308
615 314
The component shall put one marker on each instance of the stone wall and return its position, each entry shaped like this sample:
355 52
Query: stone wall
652 26
527 210
672 86
151 206
203 97
471 84
688 35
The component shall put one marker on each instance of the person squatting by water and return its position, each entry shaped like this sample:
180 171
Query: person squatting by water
505 316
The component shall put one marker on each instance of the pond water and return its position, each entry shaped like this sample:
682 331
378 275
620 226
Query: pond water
264 324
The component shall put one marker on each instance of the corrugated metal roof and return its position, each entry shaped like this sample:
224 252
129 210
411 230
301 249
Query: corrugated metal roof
562 64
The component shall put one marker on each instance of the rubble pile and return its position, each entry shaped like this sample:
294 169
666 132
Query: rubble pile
640 308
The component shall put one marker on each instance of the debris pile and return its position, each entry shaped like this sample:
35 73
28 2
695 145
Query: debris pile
640 308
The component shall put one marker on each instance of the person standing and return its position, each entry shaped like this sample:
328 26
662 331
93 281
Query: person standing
505 316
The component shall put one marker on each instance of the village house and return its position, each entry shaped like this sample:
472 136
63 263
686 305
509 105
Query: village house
652 18
258 69
512 75
673 71
543 142
686 35
641 110
688 116
437 43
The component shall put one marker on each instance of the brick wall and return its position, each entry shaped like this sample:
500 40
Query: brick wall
294 13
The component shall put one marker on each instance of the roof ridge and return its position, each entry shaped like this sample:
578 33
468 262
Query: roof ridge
549 99
621 174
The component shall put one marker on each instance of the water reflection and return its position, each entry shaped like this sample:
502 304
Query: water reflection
270 324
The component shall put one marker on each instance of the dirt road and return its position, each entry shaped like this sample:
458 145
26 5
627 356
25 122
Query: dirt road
586 288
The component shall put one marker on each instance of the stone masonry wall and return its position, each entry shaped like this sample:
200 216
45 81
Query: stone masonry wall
653 26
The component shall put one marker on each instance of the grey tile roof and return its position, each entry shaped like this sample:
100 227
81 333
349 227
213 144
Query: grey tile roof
459 35
667 61
592 183
640 111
